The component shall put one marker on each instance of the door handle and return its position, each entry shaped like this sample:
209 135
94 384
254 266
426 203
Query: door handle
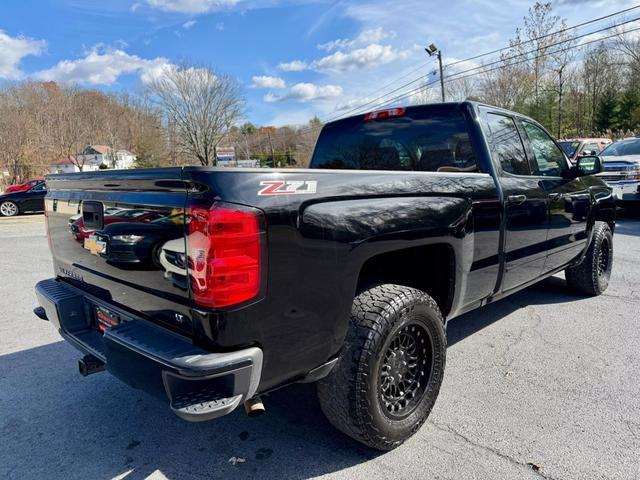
554 196
516 199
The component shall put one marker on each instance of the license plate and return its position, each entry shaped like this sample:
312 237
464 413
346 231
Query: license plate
95 246
106 318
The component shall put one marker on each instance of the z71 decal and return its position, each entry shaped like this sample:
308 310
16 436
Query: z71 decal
289 187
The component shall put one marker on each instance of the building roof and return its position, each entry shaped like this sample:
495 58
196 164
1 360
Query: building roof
71 160
104 149
100 148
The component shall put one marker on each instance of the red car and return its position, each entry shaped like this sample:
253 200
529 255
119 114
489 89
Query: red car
132 215
21 187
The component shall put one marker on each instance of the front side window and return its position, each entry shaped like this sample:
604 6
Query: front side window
548 160
507 144
431 140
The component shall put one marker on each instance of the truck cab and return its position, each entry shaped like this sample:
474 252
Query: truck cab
236 282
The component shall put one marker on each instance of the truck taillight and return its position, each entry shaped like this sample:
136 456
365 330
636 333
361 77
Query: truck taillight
225 250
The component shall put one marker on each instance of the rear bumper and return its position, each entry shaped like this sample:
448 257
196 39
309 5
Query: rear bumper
198 384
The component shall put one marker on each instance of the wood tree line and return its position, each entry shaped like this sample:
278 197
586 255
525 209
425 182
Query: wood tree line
179 119
573 86
187 111
43 123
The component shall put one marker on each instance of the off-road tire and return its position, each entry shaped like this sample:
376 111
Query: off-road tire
9 209
591 276
352 397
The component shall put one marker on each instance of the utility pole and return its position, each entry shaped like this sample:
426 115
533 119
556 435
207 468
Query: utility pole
431 50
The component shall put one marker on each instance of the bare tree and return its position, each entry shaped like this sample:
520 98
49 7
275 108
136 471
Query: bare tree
68 127
201 104
560 61
536 37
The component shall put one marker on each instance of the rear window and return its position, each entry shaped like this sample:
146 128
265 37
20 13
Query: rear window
431 141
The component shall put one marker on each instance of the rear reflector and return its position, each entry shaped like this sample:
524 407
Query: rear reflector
382 114
225 254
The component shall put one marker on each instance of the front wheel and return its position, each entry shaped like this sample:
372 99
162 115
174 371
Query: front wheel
9 209
389 373
592 275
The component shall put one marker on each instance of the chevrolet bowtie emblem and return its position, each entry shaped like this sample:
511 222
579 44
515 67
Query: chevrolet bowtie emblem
93 245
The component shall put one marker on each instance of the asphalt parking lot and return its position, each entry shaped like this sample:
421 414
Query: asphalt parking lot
543 384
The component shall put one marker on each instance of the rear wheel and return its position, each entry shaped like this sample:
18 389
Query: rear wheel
592 275
9 209
389 374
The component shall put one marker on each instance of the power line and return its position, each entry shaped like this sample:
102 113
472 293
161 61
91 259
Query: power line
595 20
500 50
499 61
454 77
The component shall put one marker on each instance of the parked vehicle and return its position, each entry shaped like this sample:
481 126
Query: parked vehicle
583 146
622 170
31 200
343 277
80 231
139 243
107 212
24 186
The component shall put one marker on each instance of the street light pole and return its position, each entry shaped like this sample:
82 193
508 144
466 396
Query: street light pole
431 50
441 75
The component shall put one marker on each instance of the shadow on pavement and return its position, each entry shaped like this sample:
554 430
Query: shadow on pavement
627 222
549 291
56 424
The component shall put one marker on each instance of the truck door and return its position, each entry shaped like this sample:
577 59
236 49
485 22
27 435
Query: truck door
526 202
569 199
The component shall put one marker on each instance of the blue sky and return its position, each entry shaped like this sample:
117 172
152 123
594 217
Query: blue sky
295 59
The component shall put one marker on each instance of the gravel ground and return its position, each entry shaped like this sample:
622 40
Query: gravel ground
542 384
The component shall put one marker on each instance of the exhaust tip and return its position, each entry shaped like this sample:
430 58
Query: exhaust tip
254 407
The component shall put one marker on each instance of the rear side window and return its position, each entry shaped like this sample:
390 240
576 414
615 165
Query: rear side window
507 144
432 141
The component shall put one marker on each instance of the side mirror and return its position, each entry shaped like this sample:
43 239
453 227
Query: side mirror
588 165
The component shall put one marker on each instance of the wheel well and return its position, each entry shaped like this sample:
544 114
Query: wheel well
430 268
607 215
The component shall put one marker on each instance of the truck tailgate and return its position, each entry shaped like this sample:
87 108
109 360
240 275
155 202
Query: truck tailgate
120 235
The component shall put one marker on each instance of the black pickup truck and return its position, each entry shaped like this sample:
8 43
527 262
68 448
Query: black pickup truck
209 287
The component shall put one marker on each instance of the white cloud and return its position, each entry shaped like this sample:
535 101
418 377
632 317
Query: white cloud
370 56
191 6
13 50
102 66
220 26
265 81
293 66
365 37
154 69
306 92
188 24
